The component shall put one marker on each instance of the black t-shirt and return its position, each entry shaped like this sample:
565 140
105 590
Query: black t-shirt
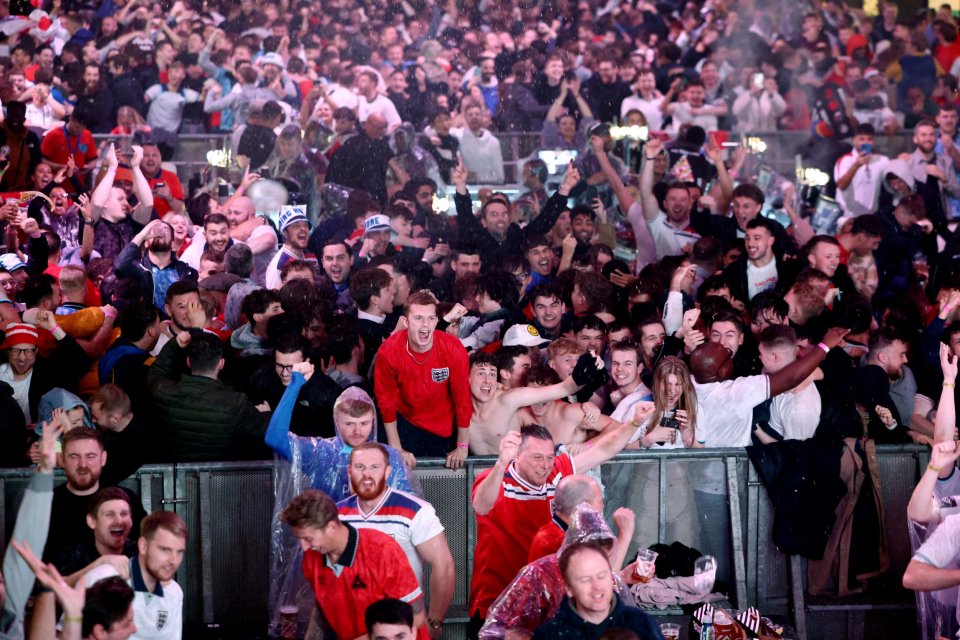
127 451
257 143
68 521
81 554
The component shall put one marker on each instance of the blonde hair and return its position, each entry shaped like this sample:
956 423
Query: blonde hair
562 347
671 365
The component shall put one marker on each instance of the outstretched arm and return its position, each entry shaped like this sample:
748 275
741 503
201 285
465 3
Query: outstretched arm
795 373
582 372
612 442
943 457
651 208
278 431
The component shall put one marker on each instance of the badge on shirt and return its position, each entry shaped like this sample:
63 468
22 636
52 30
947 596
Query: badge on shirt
161 619
358 583
440 375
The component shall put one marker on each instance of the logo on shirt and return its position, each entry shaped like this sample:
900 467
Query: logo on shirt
162 617
440 375
358 583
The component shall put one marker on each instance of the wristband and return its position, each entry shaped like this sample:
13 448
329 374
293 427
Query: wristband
74 619
825 348
933 468
950 385
463 445
59 333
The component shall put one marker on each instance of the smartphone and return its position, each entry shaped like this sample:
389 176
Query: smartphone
758 80
866 148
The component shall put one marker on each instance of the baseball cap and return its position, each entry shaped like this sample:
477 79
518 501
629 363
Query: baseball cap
291 214
20 333
378 222
523 335
271 57
10 262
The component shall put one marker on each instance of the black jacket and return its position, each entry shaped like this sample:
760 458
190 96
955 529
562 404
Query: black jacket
202 419
735 276
13 430
803 480
566 624
62 368
493 251
313 413
361 163
131 264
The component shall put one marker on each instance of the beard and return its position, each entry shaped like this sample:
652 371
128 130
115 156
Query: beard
81 482
159 245
367 492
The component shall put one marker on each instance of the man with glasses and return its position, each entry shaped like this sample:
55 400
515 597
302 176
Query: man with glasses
30 375
313 412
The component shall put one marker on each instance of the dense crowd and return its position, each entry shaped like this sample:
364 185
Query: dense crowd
362 279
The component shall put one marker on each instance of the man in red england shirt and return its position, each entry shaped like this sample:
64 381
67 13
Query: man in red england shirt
72 139
421 380
349 569
514 498
166 187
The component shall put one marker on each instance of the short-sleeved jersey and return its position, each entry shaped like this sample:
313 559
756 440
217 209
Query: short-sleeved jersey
505 534
57 146
725 410
402 516
371 568
157 614
670 240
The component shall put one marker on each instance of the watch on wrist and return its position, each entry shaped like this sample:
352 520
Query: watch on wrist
435 623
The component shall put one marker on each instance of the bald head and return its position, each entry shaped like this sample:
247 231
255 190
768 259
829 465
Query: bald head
375 125
239 209
576 490
711 362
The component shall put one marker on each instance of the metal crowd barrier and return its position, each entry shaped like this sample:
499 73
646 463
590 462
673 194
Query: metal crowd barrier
516 147
227 507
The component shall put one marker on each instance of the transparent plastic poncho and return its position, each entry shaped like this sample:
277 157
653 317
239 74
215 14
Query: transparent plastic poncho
936 610
535 594
314 463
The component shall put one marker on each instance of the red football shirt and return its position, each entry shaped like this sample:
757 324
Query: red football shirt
547 541
505 534
428 389
176 190
372 567
57 146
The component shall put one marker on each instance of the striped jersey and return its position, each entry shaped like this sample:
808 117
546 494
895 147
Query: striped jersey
402 516
504 535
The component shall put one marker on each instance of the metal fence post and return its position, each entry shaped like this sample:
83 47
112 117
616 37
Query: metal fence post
736 529
206 547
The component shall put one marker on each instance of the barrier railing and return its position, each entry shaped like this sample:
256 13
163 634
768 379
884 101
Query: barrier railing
516 147
227 507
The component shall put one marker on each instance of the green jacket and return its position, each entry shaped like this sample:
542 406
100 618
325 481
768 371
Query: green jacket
200 419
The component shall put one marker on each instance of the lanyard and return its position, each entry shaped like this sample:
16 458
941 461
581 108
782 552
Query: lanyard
66 135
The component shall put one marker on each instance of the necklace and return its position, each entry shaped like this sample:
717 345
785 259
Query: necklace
415 357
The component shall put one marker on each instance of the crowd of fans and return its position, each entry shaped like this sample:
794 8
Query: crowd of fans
662 289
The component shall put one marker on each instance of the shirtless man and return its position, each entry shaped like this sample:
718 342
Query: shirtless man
497 411
571 424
